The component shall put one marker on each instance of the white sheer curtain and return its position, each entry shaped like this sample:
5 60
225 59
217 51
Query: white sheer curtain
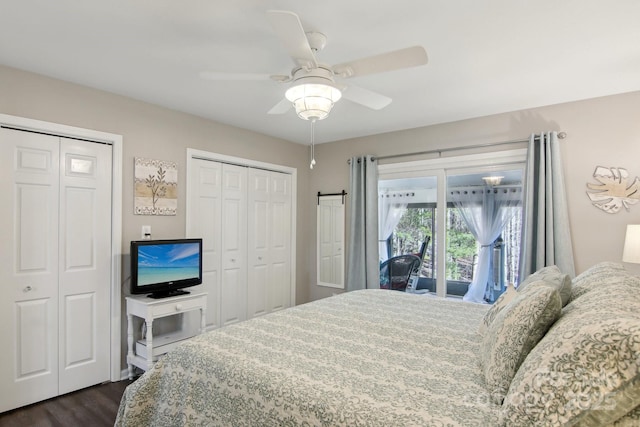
546 234
485 210
363 267
391 211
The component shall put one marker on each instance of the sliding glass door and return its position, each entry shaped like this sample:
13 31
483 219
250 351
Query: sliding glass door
464 226
408 224
483 238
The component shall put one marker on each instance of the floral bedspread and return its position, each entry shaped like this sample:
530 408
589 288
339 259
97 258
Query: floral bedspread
363 358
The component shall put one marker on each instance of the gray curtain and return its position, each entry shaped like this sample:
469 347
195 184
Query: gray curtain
546 235
363 268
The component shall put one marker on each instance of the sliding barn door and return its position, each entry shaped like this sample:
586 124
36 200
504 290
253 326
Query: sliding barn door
331 240
55 251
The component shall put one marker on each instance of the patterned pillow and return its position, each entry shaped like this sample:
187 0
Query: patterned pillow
496 308
632 419
586 370
514 332
606 294
594 277
552 276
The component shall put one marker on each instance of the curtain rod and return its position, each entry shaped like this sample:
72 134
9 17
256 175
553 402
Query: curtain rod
561 135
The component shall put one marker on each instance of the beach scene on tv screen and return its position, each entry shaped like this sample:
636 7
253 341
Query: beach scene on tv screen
168 263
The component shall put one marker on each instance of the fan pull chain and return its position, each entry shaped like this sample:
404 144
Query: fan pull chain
313 148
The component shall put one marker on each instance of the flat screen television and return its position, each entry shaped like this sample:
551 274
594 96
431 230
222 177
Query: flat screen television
163 268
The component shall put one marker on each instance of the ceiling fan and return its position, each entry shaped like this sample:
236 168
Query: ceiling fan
313 89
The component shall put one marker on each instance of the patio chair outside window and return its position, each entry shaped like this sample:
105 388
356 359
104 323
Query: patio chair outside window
395 272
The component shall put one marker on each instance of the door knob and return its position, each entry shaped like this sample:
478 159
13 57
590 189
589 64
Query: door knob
27 288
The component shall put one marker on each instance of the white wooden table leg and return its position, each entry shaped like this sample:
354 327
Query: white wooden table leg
203 320
130 354
149 323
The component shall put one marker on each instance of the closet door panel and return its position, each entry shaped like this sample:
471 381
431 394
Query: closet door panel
233 292
205 221
29 170
81 348
279 287
85 263
233 297
259 270
34 353
33 207
254 233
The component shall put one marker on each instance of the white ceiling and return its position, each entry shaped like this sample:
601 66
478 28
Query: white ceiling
485 56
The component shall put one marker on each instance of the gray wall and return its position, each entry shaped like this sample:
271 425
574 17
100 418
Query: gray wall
159 133
603 131
600 132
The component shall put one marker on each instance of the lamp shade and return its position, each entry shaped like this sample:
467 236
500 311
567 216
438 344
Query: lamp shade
631 251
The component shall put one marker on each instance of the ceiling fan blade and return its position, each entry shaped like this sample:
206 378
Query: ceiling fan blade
215 75
281 107
395 60
289 30
365 97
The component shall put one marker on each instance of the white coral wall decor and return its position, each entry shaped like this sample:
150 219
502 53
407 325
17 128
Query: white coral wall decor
613 190
156 187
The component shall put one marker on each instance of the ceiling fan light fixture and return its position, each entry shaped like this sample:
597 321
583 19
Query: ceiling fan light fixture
313 101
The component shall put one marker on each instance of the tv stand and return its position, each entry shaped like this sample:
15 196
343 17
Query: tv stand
149 309
168 294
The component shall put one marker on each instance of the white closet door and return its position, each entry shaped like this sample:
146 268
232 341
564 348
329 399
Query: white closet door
243 215
204 221
259 259
29 276
269 242
56 228
280 242
233 280
84 263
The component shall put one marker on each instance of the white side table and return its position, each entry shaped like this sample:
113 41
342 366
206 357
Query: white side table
150 309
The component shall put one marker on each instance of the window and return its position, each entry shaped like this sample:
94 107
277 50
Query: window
415 196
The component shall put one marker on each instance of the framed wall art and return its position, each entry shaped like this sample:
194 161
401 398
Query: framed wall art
156 187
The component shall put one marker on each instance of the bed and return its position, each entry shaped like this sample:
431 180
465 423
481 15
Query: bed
388 358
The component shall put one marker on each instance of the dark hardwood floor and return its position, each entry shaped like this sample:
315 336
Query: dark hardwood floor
94 406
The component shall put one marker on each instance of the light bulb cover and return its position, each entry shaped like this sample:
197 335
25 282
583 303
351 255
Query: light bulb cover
313 99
